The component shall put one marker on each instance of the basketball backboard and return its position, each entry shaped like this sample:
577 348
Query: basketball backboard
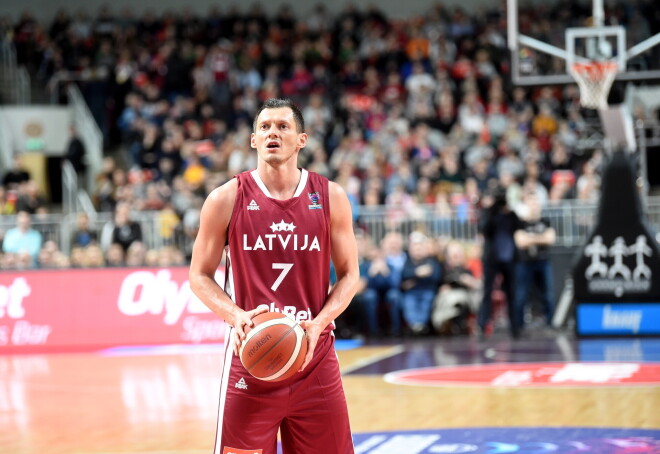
546 38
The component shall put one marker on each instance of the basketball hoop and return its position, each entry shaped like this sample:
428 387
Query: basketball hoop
595 79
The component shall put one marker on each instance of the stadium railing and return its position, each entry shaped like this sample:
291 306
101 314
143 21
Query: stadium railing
572 219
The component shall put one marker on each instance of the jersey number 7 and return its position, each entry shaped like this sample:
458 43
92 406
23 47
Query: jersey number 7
285 267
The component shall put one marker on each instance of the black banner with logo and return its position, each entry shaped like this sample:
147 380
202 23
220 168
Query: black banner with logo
616 274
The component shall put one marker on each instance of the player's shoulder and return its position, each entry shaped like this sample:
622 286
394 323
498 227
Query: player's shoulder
223 194
340 206
335 189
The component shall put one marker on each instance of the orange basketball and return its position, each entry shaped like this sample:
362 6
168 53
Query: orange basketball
275 348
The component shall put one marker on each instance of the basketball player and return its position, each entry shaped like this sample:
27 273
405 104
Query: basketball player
281 226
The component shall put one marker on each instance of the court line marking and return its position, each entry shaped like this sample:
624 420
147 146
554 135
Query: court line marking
394 378
395 350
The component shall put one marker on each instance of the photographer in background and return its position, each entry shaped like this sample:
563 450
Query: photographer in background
533 238
497 224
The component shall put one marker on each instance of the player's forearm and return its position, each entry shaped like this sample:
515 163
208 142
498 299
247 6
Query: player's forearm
214 297
338 299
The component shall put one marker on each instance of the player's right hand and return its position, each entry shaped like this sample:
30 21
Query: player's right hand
242 321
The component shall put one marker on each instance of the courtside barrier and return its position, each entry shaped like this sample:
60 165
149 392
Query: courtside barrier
88 309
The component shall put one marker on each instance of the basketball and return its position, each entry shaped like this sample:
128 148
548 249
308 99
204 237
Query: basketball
275 348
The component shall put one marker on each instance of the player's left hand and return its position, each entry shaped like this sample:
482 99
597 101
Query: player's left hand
313 331
242 323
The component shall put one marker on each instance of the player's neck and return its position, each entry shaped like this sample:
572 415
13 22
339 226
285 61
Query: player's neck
281 181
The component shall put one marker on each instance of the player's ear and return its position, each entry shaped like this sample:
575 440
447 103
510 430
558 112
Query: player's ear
302 140
253 144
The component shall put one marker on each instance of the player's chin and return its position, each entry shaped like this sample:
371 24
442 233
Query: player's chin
272 158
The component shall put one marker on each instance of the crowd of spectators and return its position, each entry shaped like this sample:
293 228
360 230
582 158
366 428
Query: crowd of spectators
402 112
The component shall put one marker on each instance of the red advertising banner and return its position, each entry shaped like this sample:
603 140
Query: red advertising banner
46 310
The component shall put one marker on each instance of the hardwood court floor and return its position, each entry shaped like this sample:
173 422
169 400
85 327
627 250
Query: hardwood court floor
165 402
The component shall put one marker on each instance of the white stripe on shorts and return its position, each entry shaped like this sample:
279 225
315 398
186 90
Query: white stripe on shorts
224 383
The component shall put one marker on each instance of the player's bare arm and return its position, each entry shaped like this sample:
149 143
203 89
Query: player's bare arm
207 254
345 258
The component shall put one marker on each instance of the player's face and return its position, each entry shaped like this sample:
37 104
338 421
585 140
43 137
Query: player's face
276 137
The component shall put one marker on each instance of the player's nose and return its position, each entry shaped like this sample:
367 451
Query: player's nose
273 132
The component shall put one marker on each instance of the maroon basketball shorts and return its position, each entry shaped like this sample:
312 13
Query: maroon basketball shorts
308 408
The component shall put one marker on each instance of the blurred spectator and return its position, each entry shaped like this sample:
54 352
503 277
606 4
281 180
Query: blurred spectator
75 154
588 183
155 197
471 114
151 258
77 256
168 224
382 286
24 261
458 297
135 256
23 239
169 256
395 257
16 175
420 280
420 86
47 254
114 257
84 234
29 198
93 257
121 230
7 201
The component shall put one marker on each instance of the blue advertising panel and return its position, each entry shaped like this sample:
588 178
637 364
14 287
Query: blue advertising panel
627 319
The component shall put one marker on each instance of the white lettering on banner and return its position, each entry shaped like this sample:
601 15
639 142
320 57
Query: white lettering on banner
144 292
196 330
26 333
11 304
290 311
11 298
613 319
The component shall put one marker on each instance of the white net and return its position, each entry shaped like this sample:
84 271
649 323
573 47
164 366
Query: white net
594 80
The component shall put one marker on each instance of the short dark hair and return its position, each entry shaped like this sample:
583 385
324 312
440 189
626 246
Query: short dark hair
276 103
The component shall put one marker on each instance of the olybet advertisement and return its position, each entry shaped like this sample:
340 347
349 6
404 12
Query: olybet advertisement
96 308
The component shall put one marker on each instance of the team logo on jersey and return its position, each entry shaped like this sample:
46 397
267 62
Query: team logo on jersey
240 384
252 206
282 226
314 198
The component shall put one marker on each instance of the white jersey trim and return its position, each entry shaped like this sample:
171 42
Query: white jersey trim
299 189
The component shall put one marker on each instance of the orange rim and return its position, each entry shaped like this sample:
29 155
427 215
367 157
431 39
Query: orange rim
595 68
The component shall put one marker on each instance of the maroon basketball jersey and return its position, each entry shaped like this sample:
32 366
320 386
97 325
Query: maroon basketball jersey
279 250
